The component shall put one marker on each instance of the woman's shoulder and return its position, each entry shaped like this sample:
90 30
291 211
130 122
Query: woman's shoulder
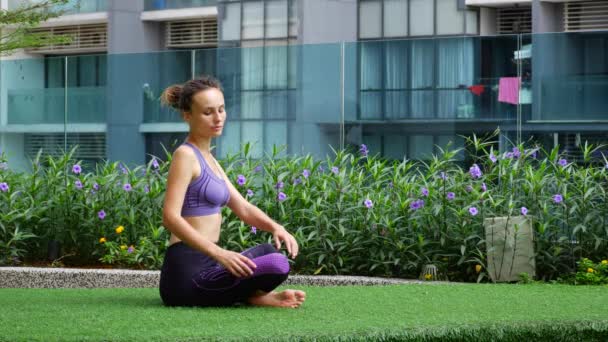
183 155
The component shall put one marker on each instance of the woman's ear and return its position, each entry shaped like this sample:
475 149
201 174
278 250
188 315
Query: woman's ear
186 116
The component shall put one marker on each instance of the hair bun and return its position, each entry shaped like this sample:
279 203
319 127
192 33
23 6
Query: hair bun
171 96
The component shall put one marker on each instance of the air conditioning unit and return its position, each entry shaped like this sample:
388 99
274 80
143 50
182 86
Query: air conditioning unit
84 38
514 20
91 146
192 33
586 16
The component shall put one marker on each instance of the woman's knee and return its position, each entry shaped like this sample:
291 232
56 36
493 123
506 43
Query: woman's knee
273 263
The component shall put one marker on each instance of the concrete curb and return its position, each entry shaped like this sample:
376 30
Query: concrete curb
42 277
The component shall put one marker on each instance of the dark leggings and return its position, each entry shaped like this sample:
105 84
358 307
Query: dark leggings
191 278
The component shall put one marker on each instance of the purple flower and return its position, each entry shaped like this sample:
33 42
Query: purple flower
76 169
254 230
335 170
78 184
524 211
4 187
368 203
96 186
607 165
484 188
558 198
279 185
363 150
532 153
240 180
468 188
563 162
475 171
130 249
146 188
451 196
155 163
509 155
127 187
258 168
493 157
516 153
417 204
305 173
281 197
101 214
473 211
249 193
297 181
391 185
122 168
425 192
443 175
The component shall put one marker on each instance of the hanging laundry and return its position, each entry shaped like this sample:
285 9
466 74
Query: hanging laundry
508 89
477 89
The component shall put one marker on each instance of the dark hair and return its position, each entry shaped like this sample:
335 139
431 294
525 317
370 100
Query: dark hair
179 96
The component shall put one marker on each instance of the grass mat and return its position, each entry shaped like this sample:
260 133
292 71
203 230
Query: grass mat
396 312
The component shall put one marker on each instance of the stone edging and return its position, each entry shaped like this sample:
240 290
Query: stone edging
43 277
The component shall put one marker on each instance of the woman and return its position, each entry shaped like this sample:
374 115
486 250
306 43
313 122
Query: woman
196 271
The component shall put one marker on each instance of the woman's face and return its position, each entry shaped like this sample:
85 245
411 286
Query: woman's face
207 115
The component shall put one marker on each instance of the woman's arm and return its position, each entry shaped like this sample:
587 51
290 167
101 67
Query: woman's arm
253 216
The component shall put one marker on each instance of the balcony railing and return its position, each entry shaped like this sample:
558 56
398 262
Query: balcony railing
153 5
72 7
48 105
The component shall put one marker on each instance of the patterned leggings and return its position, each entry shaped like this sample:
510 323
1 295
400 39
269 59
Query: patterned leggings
191 278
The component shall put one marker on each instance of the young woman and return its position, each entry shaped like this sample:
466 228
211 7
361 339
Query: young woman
196 271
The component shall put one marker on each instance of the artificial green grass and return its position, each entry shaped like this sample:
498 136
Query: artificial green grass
397 312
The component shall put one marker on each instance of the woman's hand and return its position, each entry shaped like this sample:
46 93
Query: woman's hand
290 242
237 264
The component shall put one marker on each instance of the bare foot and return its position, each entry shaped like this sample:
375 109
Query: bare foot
283 299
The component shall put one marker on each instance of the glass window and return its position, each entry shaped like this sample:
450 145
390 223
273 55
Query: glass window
395 18
293 19
421 146
471 17
252 65
253 132
253 20
370 19
275 133
276 66
231 22
449 19
276 19
421 17
251 104
371 75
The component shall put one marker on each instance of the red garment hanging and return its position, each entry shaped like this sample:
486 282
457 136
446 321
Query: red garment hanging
477 89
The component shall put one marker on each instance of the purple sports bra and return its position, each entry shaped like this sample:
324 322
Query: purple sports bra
207 193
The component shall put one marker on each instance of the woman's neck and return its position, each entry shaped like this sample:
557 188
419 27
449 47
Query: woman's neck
203 144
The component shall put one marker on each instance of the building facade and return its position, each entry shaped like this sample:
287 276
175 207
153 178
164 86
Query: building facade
405 77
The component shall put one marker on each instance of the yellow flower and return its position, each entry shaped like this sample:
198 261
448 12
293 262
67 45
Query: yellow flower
590 270
123 247
477 268
102 240
604 262
428 276
119 229
445 259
